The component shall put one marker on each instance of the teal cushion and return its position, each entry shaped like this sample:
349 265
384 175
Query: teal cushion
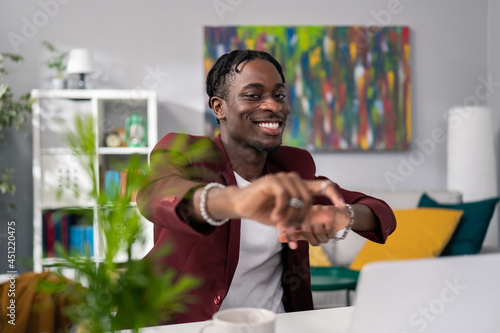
469 235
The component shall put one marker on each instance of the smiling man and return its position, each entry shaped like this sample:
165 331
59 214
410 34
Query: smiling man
252 114
241 208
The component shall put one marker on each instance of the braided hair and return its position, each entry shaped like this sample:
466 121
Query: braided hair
227 65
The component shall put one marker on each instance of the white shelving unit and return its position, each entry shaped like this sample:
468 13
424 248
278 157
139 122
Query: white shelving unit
58 175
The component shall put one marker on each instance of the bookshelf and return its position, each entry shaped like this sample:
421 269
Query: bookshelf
125 125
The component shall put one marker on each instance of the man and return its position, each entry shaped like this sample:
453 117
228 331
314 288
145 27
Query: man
223 203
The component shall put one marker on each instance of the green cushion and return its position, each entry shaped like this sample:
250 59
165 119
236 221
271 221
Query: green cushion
333 278
469 235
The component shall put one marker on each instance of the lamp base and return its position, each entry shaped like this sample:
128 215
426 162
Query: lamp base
81 81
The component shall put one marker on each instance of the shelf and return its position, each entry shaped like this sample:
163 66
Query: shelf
62 183
123 150
121 258
57 151
61 261
62 206
131 204
94 93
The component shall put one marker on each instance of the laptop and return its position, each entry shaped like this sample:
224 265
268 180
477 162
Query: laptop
439 295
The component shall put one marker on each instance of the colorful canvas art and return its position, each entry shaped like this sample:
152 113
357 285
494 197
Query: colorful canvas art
348 86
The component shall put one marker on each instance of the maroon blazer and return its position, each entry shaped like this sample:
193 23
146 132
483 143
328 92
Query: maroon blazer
181 163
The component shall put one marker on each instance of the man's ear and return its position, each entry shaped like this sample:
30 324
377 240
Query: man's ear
218 106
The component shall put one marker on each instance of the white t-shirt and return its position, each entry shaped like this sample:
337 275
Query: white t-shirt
257 279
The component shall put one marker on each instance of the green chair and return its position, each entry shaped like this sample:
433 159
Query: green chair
334 278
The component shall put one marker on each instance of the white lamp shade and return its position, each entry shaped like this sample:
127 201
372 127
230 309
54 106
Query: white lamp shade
471 152
80 61
472 166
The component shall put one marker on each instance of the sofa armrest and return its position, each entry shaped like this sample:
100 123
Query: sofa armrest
489 249
342 253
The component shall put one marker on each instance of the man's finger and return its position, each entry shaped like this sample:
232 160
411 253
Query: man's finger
326 188
331 192
297 236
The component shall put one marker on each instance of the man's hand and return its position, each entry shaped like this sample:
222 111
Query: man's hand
268 200
321 225
323 222
283 200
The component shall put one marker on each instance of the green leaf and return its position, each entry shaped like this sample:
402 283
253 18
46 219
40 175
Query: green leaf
57 59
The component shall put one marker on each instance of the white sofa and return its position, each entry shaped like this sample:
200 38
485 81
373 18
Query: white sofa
342 253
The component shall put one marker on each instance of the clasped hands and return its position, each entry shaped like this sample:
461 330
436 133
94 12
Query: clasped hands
286 201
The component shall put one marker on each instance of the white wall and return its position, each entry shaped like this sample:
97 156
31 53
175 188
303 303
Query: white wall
130 39
494 100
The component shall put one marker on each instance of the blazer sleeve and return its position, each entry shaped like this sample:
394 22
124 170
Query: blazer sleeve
301 161
179 164
384 216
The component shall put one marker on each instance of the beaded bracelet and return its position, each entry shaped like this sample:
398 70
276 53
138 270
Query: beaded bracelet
349 227
203 205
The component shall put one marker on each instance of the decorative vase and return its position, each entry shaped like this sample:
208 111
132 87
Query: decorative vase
135 127
58 83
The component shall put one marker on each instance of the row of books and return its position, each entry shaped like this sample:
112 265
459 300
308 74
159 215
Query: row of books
122 184
73 230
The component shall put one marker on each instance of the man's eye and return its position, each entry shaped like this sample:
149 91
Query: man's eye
252 96
279 96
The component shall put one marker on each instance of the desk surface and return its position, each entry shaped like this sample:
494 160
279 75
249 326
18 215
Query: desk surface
333 320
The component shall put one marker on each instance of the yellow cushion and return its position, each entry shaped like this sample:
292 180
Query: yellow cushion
420 233
317 257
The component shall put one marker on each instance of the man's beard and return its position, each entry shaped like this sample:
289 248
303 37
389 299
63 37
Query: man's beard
263 149
268 149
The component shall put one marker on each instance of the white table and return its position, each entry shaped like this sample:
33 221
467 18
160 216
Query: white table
332 320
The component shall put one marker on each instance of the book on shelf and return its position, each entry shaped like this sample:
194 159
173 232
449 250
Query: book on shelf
69 229
48 234
82 240
112 185
122 184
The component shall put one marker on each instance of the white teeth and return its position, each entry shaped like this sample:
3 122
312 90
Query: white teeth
269 125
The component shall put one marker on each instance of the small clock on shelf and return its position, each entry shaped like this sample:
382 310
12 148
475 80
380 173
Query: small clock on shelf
115 138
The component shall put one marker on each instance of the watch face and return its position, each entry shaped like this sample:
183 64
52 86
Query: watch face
113 140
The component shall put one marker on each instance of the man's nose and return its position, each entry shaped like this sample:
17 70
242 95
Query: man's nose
270 104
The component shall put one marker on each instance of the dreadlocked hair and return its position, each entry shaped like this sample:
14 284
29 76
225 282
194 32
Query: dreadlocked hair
227 65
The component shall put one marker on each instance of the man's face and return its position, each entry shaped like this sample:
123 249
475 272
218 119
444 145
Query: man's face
255 111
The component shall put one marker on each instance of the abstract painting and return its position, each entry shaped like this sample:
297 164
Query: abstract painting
348 86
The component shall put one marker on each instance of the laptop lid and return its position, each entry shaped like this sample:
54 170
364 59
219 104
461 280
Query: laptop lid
444 294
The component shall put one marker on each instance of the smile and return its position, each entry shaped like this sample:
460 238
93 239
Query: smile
269 125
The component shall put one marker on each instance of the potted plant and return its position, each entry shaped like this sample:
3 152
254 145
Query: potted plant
130 294
13 114
57 63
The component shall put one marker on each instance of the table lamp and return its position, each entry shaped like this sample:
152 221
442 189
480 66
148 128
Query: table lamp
471 152
80 62
471 158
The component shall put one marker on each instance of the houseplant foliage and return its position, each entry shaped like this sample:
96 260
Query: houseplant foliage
13 114
57 60
122 295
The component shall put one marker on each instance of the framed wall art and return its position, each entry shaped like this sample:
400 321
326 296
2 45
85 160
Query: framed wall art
348 86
